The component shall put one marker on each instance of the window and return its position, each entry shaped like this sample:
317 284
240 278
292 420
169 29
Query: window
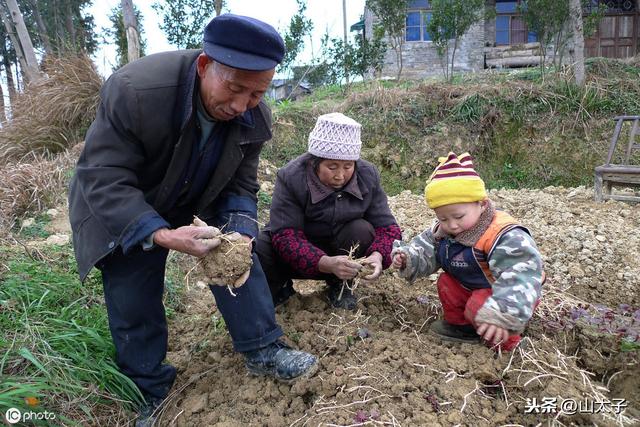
613 6
417 20
510 27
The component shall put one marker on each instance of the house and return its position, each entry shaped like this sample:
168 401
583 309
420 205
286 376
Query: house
504 41
280 89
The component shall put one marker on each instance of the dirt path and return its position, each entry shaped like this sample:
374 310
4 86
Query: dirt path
380 366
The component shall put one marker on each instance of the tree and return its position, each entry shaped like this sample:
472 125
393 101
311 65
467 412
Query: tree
219 4
546 18
8 57
355 59
578 41
119 36
550 20
450 20
21 41
392 16
183 21
130 22
60 26
41 27
299 28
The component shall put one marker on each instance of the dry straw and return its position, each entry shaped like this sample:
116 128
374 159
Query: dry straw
53 113
34 184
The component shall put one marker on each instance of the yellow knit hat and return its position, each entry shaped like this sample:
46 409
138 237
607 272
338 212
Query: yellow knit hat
454 181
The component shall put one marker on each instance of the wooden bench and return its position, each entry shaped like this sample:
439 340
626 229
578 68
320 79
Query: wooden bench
625 173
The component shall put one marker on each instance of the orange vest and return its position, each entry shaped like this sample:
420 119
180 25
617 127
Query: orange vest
501 223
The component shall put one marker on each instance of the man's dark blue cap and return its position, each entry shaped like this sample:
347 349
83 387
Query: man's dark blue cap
243 42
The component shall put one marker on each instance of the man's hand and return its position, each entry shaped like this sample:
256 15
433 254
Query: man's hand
340 266
188 239
492 333
399 261
375 261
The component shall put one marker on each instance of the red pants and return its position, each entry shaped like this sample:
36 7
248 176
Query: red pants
461 305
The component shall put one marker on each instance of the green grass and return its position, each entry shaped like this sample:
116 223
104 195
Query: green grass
55 343
37 229
523 130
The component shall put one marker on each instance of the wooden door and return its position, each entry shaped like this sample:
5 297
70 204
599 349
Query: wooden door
617 37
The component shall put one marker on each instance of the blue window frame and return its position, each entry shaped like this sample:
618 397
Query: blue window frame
416 25
426 19
413 27
510 27
502 29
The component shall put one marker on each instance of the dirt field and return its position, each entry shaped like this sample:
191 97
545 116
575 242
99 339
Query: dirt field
579 364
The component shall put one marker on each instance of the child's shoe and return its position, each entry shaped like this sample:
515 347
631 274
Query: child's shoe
455 333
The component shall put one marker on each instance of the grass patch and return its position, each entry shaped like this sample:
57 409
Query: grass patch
55 343
38 229
523 130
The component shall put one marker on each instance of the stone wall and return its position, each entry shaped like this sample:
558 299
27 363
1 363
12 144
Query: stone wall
420 59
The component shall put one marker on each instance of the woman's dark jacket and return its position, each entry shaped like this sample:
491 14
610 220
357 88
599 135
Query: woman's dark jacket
304 210
137 151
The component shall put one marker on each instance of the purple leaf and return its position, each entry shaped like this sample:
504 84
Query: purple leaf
422 299
361 416
364 333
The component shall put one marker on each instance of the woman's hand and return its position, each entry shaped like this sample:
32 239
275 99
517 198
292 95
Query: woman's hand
375 261
492 333
340 266
399 261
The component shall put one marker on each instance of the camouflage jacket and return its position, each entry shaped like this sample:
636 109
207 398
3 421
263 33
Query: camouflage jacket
514 262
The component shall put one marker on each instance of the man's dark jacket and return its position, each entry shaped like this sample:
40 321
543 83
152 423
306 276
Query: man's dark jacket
137 149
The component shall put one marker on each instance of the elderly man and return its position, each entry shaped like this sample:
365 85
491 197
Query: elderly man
178 134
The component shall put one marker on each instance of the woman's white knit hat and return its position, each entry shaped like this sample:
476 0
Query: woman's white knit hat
335 136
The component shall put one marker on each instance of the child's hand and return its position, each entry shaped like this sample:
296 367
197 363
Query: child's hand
399 261
492 333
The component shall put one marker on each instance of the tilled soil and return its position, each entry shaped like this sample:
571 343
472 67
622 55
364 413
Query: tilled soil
381 366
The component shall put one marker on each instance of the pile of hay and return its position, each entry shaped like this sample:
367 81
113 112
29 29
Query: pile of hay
34 185
53 113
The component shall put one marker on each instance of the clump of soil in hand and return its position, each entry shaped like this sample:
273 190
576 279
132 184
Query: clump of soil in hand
228 264
366 270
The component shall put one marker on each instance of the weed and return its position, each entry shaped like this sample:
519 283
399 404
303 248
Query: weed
37 229
56 344
217 325
264 200
470 109
295 336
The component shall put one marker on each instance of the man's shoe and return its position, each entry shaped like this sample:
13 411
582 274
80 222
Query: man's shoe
455 333
147 413
281 362
348 300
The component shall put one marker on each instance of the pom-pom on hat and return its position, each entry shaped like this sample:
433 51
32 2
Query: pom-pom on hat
335 136
454 181
243 42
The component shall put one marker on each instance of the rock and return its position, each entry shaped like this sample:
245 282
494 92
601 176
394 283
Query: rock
28 222
53 213
57 239
195 404
214 356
